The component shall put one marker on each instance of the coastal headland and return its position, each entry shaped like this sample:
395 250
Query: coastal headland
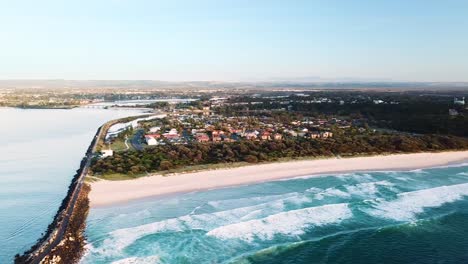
108 193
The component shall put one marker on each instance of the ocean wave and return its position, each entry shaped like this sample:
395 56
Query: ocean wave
291 223
360 177
367 188
119 239
407 205
249 201
137 260
455 165
341 176
361 189
419 171
330 192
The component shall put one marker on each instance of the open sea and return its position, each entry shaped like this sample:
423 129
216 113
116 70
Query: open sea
40 150
418 216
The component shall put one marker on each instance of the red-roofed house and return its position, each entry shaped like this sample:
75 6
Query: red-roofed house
202 137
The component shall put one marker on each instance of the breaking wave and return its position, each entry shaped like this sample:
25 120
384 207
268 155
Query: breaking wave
409 204
137 260
291 223
213 228
366 189
121 238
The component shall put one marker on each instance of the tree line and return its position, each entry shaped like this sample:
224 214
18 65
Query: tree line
167 157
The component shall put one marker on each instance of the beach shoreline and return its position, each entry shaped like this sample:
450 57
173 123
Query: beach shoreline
111 193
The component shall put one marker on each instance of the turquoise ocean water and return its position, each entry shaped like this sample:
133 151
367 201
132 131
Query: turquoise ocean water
418 216
40 152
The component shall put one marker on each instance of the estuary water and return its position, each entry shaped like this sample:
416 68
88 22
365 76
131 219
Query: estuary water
418 216
40 150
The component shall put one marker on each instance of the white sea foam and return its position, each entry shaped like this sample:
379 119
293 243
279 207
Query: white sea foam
404 179
360 177
122 238
419 171
331 192
360 189
409 204
463 173
249 201
367 188
455 165
290 223
314 190
137 260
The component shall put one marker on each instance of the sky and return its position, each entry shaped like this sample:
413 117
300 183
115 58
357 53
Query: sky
236 40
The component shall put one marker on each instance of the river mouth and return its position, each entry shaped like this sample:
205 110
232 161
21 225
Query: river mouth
40 155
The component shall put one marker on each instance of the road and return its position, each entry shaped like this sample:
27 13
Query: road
137 140
51 242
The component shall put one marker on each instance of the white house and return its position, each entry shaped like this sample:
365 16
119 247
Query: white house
107 153
151 141
173 131
459 101
154 129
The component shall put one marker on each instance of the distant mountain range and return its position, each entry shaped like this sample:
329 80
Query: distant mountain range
154 84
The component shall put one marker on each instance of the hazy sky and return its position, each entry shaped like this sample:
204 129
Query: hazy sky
410 40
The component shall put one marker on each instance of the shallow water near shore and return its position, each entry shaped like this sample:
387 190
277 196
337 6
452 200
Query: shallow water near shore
416 216
40 152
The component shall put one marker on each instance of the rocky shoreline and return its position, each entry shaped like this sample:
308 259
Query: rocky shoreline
69 222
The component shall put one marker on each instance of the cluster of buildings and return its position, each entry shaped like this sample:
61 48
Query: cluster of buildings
457 101
184 128
155 138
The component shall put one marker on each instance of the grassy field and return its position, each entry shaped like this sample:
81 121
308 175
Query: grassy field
119 145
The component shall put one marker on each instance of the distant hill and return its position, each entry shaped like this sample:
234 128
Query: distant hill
155 84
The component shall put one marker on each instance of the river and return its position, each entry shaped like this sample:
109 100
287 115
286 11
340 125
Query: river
40 152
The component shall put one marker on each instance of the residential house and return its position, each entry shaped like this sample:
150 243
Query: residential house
291 132
459 101
202 137
453 112
156 136
326 134
227 138
314 135
173 131
217 133
265 135
151 141
154 129
277 136
107 153
170 136
250 135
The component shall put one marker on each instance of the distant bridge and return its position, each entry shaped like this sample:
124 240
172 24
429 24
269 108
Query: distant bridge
95 106
114 107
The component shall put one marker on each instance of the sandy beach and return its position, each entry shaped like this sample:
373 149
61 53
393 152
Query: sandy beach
107 193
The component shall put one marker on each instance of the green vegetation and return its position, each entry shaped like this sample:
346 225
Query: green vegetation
119 145
101 141
170 157
407 111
